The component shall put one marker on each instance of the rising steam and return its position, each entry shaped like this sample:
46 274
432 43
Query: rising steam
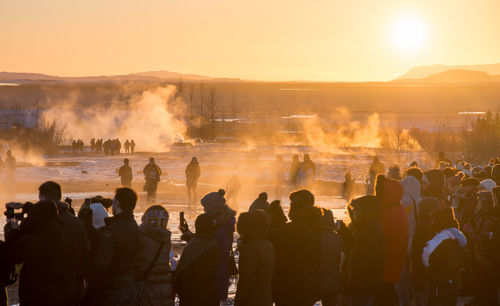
153 119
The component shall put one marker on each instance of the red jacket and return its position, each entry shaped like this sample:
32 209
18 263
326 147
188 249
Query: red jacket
395 226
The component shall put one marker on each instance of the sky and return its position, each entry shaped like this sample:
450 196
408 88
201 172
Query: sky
277 40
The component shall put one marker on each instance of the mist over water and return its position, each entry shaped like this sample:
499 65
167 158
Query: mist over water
153 119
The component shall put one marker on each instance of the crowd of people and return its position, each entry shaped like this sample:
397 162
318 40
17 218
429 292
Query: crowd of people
421 238
108 147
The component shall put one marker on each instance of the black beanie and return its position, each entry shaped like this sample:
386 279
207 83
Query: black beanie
205 225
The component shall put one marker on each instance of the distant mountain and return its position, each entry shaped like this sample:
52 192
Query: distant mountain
152 76
420 72
455 76
162 74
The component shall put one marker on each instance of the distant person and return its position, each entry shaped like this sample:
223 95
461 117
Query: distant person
307 172
132 146
110 277
152 265
193 173
260 203
196 270
256 261
348 187
294 170
279 176
376 168
125 173
112 146
126 145
118 146
92 146
10 170
152 173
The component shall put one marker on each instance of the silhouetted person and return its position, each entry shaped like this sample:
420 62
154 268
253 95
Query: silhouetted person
110 280
118 145
366 257
260 203
127 146
307 172
294 170
92 146
10 171
348 187
50 263
193 173
196 270
376 168
152 175
132 146
298 249
256 261
330 261
125 173
441 158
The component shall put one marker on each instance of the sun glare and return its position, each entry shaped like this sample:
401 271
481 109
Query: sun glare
409 33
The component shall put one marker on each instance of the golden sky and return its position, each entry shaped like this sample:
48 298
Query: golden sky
326 40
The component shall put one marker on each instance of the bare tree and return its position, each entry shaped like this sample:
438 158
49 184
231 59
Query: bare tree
213 105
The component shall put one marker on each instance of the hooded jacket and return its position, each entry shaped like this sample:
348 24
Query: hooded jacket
411 198
394 222
366 258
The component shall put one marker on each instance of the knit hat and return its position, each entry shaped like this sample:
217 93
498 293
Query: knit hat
156 215
254 224
388 191
433 183
98 215
263 196
214 201
488 184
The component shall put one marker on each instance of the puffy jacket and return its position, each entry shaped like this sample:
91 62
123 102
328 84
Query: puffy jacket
158 290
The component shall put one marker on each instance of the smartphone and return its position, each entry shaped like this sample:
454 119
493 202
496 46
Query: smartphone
182 220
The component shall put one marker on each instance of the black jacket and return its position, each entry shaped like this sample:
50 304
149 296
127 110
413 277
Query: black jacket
298 252
195 274
113 260
50 268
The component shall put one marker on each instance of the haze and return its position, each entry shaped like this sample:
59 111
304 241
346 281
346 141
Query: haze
325 40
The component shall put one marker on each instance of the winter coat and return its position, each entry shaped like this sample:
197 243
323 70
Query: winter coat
256 267
152 173
113 260
365 266
411 198
194 276
394 222
72 228
444 257
50 268
158 288
298 249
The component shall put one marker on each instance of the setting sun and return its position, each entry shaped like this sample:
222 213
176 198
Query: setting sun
409 33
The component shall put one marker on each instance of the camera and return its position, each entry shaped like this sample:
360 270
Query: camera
97 199
11 208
